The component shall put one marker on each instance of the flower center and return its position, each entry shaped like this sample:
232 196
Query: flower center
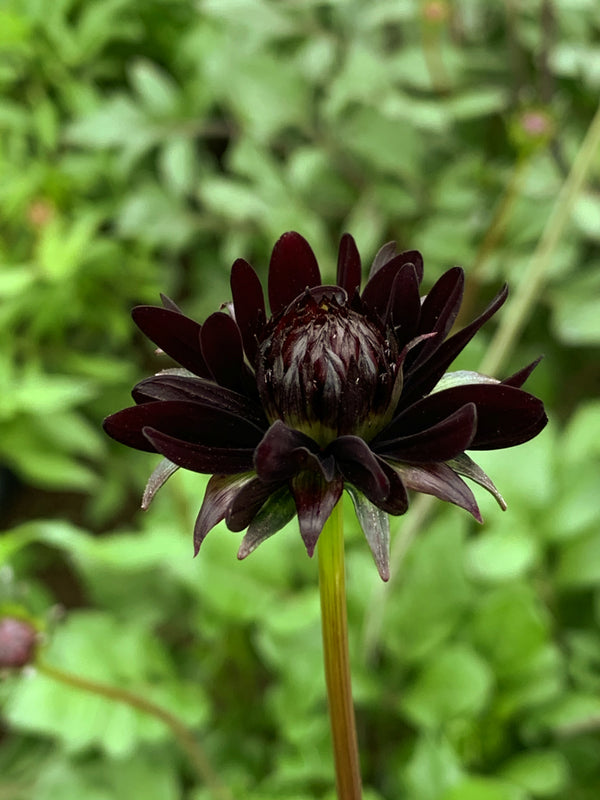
325 369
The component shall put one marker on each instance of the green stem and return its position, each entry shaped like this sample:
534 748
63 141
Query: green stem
332 585
181 733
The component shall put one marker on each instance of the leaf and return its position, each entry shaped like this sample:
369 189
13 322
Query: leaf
430 595
434 767
381 143
364 76
40 462
116 653
571 713
63 245
473 788
154 87
265 93
454 685
543 773
501 555
579 562
152 216
576 309
115 123
150 775
233 200
178 164
581 438
477 103
510 627
15 279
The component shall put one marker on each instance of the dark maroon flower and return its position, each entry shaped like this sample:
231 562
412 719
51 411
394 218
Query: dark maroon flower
334 390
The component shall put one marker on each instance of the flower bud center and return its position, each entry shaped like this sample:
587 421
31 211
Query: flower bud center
327 370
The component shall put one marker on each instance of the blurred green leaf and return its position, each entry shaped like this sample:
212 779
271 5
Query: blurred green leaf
510 627
154 87
501 555
381 143
432 594
97 647
484 789
456 684
543 773
579 562
179 165
433 768
577 309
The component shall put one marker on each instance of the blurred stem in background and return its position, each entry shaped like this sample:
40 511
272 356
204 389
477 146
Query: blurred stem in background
434 18
527 292
332 584
524 296
181 733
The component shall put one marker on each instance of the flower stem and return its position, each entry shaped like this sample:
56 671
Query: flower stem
332 585
181 733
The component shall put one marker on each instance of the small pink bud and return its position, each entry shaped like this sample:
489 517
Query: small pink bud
18 639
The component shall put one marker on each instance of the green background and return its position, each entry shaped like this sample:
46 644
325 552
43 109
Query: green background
143 147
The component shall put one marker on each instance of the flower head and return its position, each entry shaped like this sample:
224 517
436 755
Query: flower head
335 390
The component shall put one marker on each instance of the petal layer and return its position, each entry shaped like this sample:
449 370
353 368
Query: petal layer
293 267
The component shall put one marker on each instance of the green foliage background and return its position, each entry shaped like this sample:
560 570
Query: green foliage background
143 147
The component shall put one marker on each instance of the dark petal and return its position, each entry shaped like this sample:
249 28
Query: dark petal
176 334
191 422
420 380
284 451
220 493
466 467
505 416
442 441
385 253
440 481
438 312
519 378
293 267
166 386
248 502
404 306
396 502
170 304
375 525
278 510
221 345
348 265
248 304
200 457
389 251
158 478
315 499
377 292
360 467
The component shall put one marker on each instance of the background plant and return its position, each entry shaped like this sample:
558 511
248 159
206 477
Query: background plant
144 146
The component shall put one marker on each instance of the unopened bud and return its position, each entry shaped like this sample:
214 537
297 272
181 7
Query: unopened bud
18 639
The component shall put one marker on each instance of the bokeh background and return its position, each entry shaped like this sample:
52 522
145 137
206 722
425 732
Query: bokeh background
143 147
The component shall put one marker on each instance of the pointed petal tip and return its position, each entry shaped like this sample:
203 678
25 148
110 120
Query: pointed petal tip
310 548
